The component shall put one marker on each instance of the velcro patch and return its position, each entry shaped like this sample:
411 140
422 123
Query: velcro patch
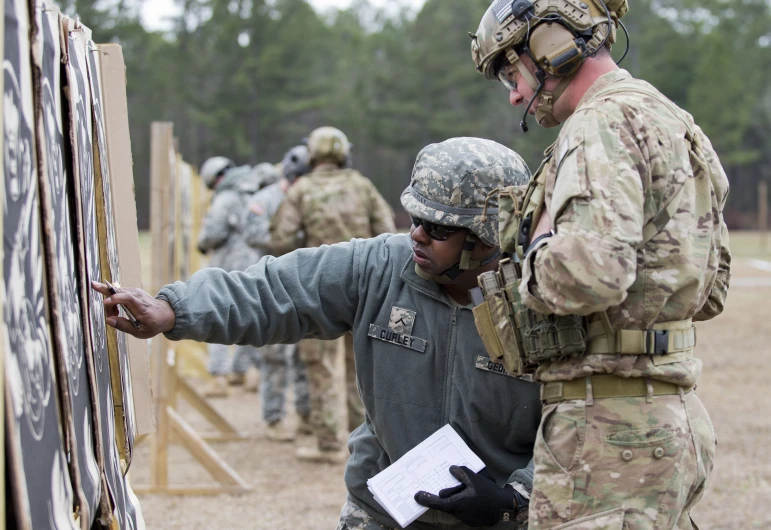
400 339
488 365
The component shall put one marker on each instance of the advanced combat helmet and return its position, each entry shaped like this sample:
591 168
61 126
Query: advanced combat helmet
296 163
557 35
213 168
455 183
327 144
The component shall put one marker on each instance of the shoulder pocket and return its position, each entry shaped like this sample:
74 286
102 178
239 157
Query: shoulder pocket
569 180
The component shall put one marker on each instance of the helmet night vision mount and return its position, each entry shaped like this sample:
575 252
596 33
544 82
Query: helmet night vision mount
558 36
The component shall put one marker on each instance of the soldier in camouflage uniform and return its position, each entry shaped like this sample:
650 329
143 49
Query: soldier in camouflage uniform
405 298
222 239
622 231
278 358
332 204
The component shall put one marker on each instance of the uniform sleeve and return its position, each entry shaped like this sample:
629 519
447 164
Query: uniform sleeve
597 212
717 296
221 219
307 293
286 224
381 214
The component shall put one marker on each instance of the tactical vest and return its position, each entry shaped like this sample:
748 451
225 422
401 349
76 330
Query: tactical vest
524 338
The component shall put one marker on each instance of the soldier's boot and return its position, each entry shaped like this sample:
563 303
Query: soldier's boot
237 379
304 427
320 456
278 432
252 383
216 387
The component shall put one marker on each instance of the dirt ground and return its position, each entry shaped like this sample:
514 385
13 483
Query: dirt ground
288 494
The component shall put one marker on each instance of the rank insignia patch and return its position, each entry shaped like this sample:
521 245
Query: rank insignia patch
402 320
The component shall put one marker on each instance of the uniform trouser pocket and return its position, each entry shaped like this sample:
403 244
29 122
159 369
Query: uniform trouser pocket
619 453
609 520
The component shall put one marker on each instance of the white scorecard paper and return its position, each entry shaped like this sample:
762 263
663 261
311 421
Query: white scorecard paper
424 468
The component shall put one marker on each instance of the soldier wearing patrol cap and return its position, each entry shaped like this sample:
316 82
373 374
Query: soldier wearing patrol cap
333 203
614 249
419 361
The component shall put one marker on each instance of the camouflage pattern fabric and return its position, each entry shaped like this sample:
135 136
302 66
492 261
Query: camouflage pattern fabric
219 359
274 369
353 397
223 238
319 357
221 233
353 517
330 205
588 458
620 159
244 357
257 225
220 363
451 180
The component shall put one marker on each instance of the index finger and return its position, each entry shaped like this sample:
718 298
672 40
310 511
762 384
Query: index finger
101 288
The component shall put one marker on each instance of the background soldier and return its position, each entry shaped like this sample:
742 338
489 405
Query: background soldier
412 287
622 240
277 358
222 238
332 204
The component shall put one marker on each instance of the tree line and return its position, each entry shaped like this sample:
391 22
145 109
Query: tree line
248 79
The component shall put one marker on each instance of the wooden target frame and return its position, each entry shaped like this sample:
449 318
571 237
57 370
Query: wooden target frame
168 384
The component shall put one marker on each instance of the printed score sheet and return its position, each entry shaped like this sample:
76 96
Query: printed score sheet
426 467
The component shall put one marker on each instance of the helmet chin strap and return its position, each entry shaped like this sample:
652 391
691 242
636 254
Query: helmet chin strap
465 263
544 113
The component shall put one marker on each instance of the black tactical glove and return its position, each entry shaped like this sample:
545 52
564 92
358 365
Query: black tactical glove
476 501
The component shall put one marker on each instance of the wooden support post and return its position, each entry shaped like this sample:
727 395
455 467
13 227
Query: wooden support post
167 382
227 432
160 176
763 215
205 455
191 360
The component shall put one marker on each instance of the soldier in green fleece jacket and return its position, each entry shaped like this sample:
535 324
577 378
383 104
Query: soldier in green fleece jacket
420 363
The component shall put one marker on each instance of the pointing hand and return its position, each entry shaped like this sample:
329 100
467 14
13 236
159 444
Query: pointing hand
153 316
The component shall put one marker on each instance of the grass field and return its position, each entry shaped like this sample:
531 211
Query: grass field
288 494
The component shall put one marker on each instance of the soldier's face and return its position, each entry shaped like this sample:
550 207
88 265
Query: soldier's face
434 256
523 93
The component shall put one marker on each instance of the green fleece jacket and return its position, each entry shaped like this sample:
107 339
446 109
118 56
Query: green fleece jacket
412 381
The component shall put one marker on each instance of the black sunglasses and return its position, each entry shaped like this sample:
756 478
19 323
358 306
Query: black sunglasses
434 231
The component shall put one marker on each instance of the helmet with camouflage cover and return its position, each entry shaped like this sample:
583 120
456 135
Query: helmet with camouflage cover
327 144
214 167
296 163
557 35
454 183
266 174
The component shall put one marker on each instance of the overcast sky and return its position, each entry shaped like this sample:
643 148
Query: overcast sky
155 11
